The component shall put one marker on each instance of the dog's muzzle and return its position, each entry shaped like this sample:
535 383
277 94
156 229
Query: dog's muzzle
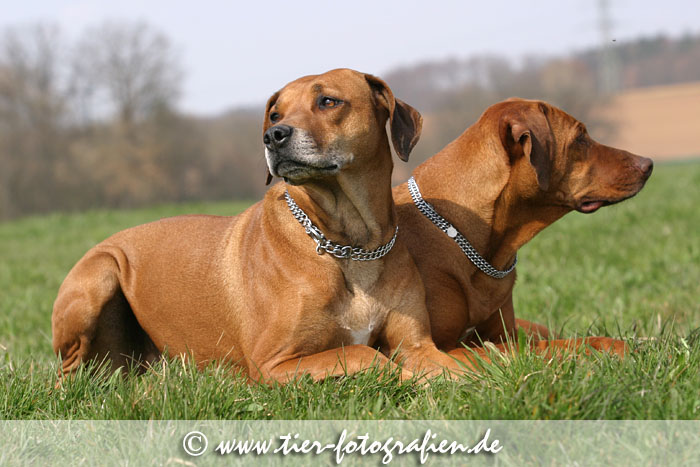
292 154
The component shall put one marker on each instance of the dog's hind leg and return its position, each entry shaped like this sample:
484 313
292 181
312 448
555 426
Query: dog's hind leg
92 319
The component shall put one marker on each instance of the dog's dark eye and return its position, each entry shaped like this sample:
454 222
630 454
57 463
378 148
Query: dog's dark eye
328 102
274 116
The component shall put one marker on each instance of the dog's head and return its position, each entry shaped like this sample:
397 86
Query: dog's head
551 153
320 125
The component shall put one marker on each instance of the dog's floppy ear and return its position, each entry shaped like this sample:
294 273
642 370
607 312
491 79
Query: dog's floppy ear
405 121
526 132
266 124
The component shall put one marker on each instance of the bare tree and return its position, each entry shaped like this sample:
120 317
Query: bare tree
33 90
138 148
130 70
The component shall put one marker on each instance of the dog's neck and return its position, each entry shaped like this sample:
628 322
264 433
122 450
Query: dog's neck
479 199
515 222
365 218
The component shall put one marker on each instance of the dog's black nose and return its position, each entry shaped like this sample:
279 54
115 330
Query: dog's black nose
277 136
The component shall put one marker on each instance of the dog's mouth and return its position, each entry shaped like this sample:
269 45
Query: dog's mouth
292 169
628 188
589 207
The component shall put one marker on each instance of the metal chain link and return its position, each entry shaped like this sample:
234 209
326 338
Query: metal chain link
323 245
471 253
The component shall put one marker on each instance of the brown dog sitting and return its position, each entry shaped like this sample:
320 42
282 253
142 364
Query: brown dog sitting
520 167
305 281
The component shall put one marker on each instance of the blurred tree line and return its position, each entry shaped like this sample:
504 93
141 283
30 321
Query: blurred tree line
95 123
451 94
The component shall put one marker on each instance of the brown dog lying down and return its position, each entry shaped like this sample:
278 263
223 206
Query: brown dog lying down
520 167
256 290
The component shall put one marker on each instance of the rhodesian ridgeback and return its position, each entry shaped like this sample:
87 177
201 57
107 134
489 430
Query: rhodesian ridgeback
304 282
520 167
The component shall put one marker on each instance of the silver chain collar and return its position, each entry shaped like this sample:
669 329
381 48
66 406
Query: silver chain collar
427 210
323 245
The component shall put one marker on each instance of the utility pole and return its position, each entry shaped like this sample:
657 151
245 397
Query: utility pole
608 64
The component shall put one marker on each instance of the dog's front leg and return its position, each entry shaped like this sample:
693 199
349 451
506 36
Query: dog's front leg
342 361
408 335
585 344
557 348
503 325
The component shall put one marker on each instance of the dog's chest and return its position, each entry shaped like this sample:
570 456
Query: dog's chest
362 319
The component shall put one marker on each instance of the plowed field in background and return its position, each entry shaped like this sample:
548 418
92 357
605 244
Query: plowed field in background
662 122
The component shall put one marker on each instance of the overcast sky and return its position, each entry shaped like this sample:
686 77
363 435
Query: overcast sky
238 53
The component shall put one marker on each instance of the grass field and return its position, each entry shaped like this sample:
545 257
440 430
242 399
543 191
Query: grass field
631 270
